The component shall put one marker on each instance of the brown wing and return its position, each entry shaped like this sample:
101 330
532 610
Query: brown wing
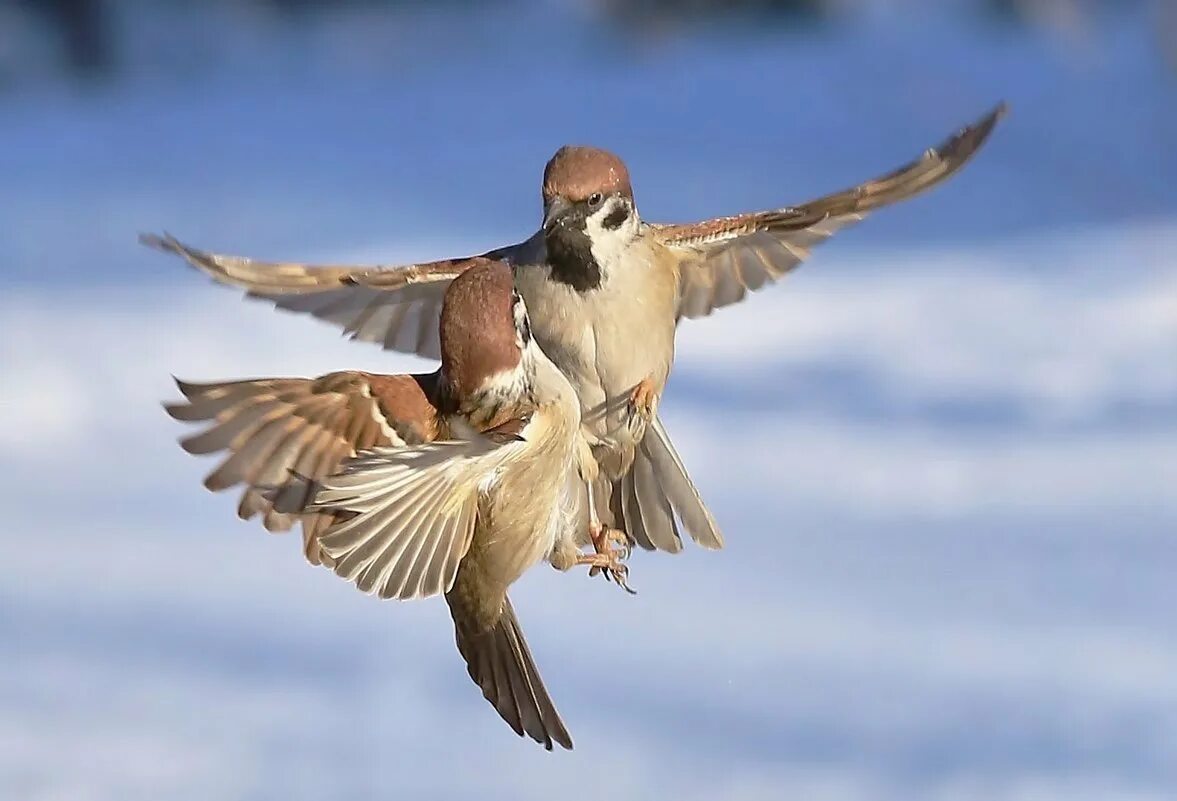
727 256
283 434
396 307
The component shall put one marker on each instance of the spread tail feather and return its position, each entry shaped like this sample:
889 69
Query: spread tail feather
645 501
501 664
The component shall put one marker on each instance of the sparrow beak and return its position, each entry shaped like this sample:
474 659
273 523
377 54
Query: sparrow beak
556 209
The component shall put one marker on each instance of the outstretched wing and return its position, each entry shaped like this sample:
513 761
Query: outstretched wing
727 256
283 434
409 513
395 307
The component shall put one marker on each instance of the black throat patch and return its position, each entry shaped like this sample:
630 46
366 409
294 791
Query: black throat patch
570 255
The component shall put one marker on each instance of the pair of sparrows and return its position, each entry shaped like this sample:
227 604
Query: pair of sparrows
539 433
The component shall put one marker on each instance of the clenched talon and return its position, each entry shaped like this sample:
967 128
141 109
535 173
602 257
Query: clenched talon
611 549
611 565
608 537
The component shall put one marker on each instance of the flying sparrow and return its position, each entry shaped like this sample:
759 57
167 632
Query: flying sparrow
605 291
409 486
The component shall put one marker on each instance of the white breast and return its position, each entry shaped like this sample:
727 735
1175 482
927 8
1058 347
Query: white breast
608 339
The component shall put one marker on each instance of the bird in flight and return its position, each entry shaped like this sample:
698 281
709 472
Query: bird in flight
605 291
453 482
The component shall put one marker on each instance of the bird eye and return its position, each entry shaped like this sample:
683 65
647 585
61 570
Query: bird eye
595 199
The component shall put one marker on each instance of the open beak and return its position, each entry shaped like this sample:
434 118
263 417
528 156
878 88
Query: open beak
556 209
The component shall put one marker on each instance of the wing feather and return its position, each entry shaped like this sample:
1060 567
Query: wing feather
414 511
281 435
727 256
369 303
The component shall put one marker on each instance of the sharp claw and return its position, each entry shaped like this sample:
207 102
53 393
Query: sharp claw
619 577
607 559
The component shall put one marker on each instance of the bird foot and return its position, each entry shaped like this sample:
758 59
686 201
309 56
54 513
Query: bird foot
604 538
611 549
643 399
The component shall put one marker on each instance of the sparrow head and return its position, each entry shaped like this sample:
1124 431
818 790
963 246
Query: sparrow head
484 331
580 182
589 213
577 173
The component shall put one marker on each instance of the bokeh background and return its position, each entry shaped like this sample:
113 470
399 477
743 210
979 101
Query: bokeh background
944 452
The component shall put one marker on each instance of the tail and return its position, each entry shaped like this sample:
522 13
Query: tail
500 663
646 500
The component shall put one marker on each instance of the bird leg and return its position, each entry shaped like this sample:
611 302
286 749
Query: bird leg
605 558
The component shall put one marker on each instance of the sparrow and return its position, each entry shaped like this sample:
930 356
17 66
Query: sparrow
409 486
605 291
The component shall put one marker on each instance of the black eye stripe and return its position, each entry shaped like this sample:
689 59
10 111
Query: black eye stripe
615 218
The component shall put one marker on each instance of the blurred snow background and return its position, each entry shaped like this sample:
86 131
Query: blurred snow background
944 452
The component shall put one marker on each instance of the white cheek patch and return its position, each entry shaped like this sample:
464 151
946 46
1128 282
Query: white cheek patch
610 244
508 383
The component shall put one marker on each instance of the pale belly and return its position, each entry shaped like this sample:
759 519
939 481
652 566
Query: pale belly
521 520
605 341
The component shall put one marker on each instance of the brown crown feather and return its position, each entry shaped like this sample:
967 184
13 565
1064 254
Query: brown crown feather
576 172
478 327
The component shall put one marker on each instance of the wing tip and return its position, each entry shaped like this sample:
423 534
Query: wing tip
988 122
165 241
969 139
